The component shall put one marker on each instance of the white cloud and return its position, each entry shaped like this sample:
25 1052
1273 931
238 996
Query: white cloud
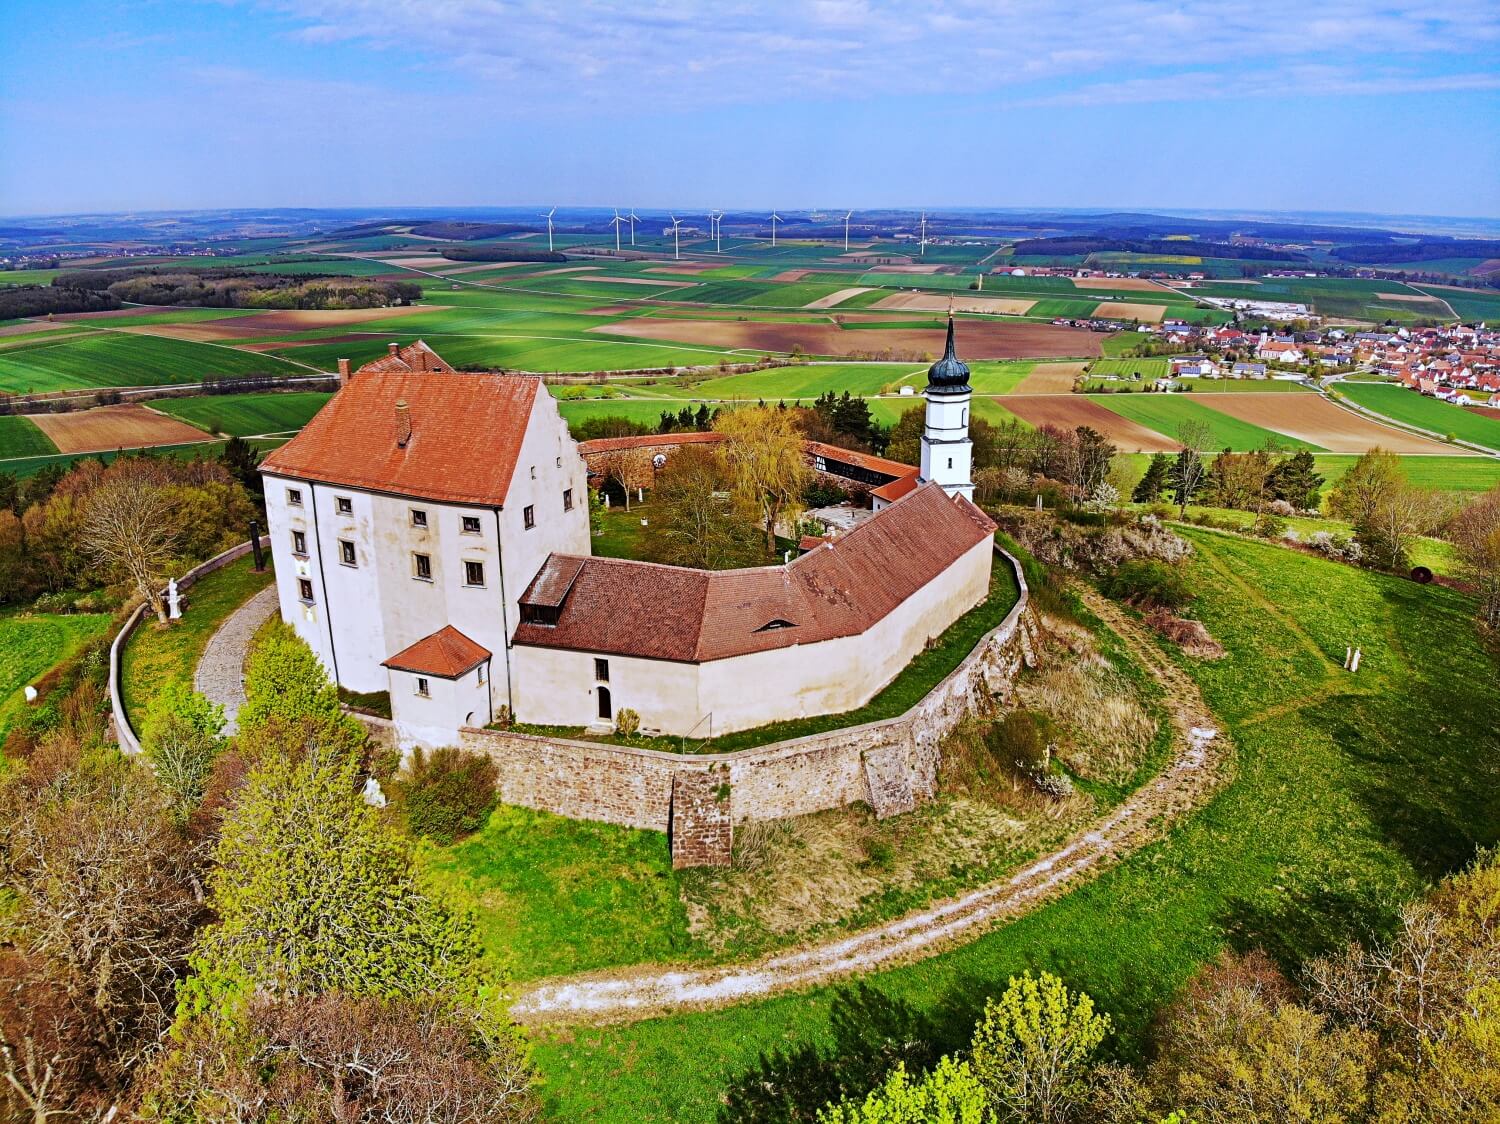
673 53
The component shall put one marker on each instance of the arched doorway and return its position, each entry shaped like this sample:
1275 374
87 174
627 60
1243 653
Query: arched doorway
606 709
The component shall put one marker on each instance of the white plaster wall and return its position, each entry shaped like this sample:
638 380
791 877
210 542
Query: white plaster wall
310 622
945 438
433 721
557 688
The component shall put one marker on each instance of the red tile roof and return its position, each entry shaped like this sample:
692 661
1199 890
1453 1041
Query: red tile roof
897 487
413 357
446 654
648 441
842 588
466 432
862 460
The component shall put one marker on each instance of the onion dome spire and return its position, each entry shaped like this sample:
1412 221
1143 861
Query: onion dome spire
950 374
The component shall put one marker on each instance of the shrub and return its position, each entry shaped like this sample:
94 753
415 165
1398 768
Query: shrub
627 723
449 793
1268 526
1148 584
1021 740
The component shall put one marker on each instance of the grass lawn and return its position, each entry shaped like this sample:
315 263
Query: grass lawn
156 656
20 437
1408 406
241 415
123 359
33 643
1349 794
1165 412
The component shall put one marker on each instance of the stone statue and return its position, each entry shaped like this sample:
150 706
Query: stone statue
174 601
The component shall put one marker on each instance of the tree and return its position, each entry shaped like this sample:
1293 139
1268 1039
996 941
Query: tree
1152 484
904 444
1033 1049
1296 481
283 679
1238 480
1387 512
128 525
181 738
1475 534
761 458
627 468
242 462
1370 479
1188 471
950 1094
696 523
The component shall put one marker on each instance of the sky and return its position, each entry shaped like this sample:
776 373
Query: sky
1340 105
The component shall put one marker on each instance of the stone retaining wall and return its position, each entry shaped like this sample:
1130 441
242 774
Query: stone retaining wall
887 764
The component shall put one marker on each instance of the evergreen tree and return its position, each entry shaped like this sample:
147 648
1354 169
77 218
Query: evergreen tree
703 420
242 461
1187 477
685 418
1150 488
1296 480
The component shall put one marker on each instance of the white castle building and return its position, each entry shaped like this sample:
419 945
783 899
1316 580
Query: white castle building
431 536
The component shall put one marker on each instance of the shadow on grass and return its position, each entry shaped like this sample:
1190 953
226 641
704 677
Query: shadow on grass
1307 926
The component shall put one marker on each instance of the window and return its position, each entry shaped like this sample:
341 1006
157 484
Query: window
422 687
471 524
294 497
343 505
601 670
473 573
418 517
533 472
528 516
539 614
480 675
567 499
299 542
304 589
950 462
346 552
422 567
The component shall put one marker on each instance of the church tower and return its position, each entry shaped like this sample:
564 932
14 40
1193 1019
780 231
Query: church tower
947 452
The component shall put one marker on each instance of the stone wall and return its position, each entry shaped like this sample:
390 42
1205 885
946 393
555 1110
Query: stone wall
887 764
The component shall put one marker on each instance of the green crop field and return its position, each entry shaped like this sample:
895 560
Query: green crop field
241 415
1148 369
1347 795
121 359
28 466
1470 304
1165 412
1427 413
1335 296
31 644
19 437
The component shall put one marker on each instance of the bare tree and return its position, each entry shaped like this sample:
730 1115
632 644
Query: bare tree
128 526
629 468
1187 474
1475 534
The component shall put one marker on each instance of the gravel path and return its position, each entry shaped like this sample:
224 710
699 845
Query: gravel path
219 675
1196 769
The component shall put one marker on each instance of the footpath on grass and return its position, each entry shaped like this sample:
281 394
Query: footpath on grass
1198 767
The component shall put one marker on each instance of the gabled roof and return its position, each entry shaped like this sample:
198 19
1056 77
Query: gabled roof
413 357
466 432
898 487
446 654
617 607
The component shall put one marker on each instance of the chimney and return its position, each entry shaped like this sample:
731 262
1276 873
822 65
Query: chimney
403 423
393 348
343 372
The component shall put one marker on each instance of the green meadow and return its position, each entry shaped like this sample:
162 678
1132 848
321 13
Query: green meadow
241 415
1408 406
1166 412
103 359
20 437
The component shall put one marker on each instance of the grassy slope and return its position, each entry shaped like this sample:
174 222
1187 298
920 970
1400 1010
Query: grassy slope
20 437
1348 794
244 414
1428 413
1165 412
32 643
155 656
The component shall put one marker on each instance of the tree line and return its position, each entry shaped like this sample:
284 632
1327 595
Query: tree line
228 287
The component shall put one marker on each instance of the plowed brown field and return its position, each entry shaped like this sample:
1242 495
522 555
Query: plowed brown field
1069 411
1119 310
1321 422
936 302
127 426
1012 340
1134 284
1050 378
278 323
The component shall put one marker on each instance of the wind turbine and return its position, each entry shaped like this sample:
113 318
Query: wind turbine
676 246
632 217
846 232
717 221
922 241
775 218
615 222
548 217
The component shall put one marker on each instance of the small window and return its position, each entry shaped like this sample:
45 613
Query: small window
528 516
471 524
479 674
418 517
422 567
294 497
473 573
950 462
343 505
304 589
423 688
559 462
601 670
346 552
299 542
567 499
533 472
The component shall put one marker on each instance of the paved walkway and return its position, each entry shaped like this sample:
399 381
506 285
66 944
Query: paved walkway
1199 765
219 675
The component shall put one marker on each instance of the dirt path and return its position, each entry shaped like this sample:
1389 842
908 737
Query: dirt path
219 676
1199 764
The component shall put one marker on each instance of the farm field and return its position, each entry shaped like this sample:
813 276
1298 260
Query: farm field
20 437
31 644
1069 411
1471 304
1152 368
103 359
1048 378
1426 413
22 467
1166 412
241 415
1347 795
127 425
1336 297
1463 474
1320 422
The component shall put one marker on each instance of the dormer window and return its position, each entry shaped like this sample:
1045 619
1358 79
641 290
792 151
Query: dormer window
773 625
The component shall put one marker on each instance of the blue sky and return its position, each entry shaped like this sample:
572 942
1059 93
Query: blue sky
1337 105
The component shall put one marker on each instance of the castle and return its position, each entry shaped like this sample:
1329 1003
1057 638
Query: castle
430 529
